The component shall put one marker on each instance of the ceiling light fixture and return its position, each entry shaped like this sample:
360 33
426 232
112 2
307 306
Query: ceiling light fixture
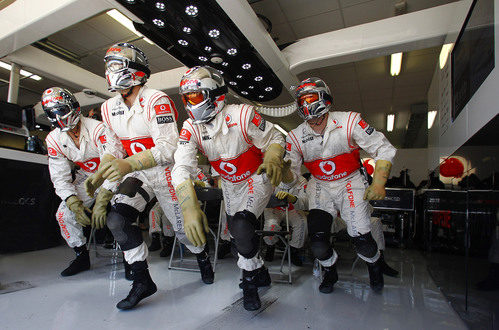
233 83
160 6
191 10
280 129
390 120
444 54
251 87
207 48
187 29
244 92
431 118
225 64
232 51
214 33
22 72
158 22
239 76
202 58
396 64
268 89
126 22
258 78
246 66
184 43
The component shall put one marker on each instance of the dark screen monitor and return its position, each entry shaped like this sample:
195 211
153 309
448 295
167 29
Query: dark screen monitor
473 54
11 114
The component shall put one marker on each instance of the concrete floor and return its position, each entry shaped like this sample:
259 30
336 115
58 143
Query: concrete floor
87 300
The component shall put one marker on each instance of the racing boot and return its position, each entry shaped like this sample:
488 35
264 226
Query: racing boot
207 275
81 263
295 256
224 249
142 286
269 253
155 242
387 270
376 275
167 246
128 270
329 278
251 300
491 283
262 278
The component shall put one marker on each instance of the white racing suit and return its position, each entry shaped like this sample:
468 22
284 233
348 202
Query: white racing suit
158 222
336 184
62 152
233 142
150 123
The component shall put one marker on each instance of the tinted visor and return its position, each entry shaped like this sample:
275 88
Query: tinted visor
309 98
192 98
115 65
58 111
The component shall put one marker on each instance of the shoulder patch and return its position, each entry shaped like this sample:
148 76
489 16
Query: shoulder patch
370 130
363 124
164 119
52 152
162 109
288 146
259 121
185 135
102 139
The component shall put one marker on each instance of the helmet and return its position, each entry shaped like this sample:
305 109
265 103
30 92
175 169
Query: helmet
203 92
126 66
313 97
61 107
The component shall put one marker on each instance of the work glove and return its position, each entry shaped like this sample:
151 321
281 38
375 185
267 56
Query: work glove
272 163
118 168
80 211
95 180
195 221
287 175
376 191
99 213
285 195
199 183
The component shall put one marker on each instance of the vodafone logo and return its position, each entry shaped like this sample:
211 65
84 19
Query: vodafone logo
327 167
137 147
228 168
91 165
52 152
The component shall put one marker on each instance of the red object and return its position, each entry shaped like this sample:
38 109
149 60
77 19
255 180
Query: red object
288 146
257 120
90 165
452 168
240 168
185 135
102 139
135 146
334 168
369 167
363 124
162 109
52 152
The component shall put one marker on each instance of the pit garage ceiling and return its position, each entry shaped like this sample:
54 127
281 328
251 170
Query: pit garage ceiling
364 86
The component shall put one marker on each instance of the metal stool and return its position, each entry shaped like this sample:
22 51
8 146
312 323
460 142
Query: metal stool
92 246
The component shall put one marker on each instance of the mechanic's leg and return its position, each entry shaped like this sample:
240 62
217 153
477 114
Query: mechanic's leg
155 215
72 232
298 223
319 231
131 199
168 237
379 237
226 244
271 223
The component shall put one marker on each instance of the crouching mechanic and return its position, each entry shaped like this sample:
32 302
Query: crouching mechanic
144 120
233 138
328 143
81 141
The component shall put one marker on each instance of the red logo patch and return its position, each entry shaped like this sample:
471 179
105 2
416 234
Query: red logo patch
257 119
288 146
363 124
185 134
52 152
102 139
162 109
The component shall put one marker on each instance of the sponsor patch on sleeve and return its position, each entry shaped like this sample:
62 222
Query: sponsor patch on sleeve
52 152
164 119
288 146
363 124
162 109
259 121
370 130
102 139
185 135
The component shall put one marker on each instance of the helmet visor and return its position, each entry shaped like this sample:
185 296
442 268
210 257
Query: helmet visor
193 98
309 98
115 65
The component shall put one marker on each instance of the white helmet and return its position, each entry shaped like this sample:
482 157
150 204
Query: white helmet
313 97
126 66
203 92
61 107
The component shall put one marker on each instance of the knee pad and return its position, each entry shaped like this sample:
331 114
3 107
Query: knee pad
119 221
319 221
131 186
365 245
242 227
321 246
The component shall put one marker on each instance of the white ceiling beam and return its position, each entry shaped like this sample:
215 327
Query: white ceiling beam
417 30
243 16
167 81
26 21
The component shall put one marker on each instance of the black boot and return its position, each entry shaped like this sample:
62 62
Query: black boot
491 283
142 286
224 249
376 275
155 242
167 246
251 300
269 253
207 275
295 256
387 270
262 278
128 270
81 263
329 278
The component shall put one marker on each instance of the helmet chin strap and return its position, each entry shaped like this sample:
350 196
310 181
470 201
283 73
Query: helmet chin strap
318 123
127 94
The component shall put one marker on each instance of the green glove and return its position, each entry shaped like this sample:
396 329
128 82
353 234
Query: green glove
272 163
99 213
376 191
94 181
195 222
118 168
76 206
285 195
287 175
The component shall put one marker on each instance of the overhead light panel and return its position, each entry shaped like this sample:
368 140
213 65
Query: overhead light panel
126 22
22 72
395 64
431 118
280 129
390 120
444 54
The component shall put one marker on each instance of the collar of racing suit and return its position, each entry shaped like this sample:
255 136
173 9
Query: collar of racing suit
217 124
137 106
331 125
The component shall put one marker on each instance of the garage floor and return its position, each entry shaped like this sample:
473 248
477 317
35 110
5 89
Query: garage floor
87 300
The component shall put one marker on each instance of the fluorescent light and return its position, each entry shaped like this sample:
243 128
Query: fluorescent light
431 118
444 54
22 72
396 63
126 22
280 129
390 120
